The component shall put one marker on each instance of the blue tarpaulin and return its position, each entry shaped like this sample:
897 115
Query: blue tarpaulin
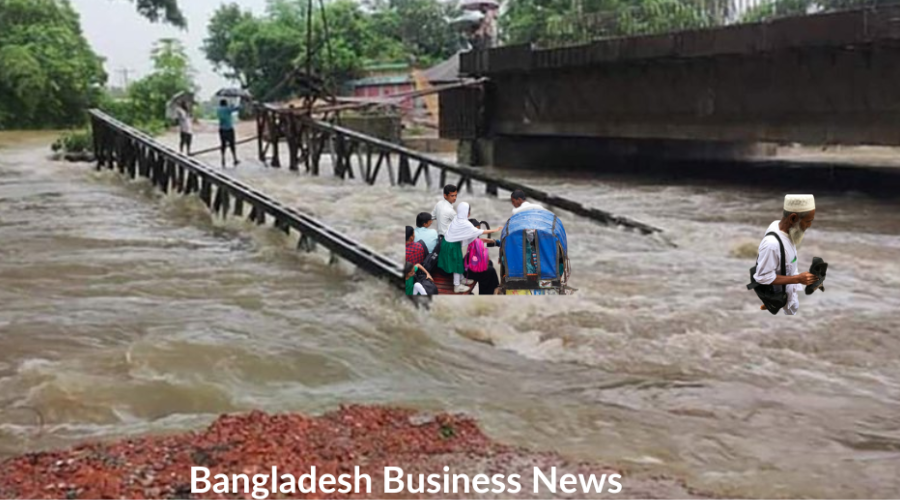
549 233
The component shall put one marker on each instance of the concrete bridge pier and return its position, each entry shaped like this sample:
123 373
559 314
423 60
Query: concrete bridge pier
693 100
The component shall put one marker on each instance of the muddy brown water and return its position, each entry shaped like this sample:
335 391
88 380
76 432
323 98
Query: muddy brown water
125 312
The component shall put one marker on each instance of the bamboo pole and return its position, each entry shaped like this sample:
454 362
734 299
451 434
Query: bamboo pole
214 149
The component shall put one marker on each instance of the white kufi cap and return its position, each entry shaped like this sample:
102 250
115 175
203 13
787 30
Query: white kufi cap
799 203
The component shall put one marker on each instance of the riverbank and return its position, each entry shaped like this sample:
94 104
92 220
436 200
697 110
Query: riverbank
366 436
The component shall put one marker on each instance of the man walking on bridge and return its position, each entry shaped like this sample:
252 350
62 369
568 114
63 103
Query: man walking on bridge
185 127
225 113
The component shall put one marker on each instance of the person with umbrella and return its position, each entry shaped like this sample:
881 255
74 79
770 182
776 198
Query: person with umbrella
179 108
225 114
185 127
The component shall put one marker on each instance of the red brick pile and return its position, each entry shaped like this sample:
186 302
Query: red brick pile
371 437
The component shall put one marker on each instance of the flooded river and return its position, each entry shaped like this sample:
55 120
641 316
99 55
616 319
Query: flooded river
125 312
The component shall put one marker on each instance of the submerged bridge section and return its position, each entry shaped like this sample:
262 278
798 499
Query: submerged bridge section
309 141
815 79
135 154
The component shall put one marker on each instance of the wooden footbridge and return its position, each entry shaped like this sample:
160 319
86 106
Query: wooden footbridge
135 154
308 140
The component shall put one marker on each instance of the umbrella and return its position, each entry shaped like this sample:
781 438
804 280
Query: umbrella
477 4
469 18
175 102
231 92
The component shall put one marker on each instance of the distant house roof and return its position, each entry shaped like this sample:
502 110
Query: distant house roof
386 67
444 72
375 81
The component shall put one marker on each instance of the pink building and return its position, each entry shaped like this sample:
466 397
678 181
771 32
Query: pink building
384 80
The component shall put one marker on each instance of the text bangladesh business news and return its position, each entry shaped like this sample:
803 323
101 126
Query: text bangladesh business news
260 486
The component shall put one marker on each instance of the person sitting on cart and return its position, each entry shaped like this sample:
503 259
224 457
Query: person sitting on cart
412 286
423 231
459 235
520 204
415 250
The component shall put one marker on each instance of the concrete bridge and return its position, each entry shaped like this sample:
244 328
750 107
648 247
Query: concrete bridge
711 94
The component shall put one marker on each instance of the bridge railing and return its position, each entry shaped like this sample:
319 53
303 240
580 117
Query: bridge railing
309 141
134 154
656 17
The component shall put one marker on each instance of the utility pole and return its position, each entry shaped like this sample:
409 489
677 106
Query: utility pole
125 72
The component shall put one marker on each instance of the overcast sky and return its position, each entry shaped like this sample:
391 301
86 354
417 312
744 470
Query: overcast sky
118 33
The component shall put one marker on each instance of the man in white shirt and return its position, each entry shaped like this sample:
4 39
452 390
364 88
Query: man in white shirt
443 212
520 205
185 127
799 212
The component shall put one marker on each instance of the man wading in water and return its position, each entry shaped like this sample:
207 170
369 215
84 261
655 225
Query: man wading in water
799 212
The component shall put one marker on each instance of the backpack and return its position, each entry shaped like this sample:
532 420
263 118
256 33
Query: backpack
477 259
427 284
773 300
424 248
431 258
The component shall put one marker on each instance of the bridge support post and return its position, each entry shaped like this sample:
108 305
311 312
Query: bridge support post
475 152
276 136
306 244
293 142
261 134
340 152
404 176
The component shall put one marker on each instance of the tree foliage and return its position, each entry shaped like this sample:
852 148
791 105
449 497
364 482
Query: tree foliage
782 8
145 104
48 73
419 26
559 21
260 51
769 10
556 21
172 74
161 10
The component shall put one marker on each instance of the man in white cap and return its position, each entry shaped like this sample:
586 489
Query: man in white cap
799 212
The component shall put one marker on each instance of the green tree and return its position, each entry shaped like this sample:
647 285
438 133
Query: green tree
161 10
783 8
220 37
265 52
558 21
48 73
261 51
256 51
662 16
776 8
421 27
145 105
